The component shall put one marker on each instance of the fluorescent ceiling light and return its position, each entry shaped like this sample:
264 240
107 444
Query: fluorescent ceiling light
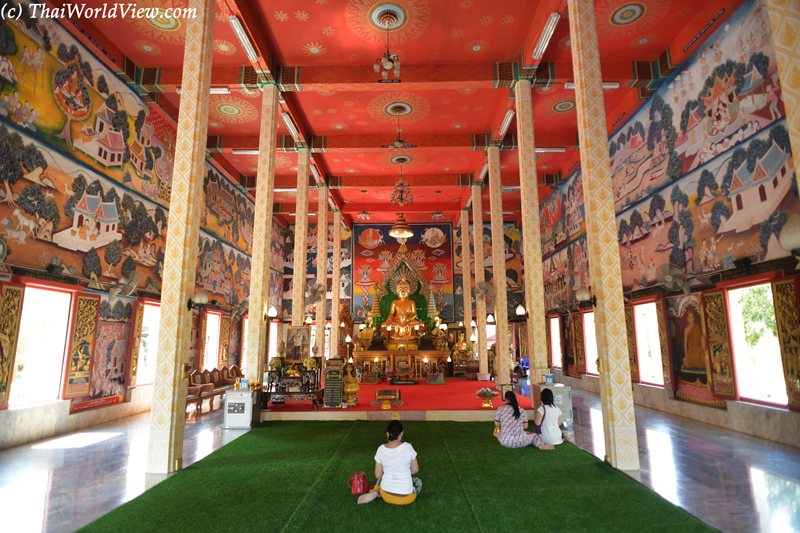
331 203
504 212
469 202
560 150
607 85
549 28
286 190
316 173
484 170
244 152
244 40
287 119
212 90
506 122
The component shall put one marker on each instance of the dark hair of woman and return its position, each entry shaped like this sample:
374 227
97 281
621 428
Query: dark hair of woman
511 398
547 397
393 429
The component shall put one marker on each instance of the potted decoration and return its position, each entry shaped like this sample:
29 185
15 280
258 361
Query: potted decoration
486 394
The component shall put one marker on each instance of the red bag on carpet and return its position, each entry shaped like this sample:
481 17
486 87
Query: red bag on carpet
358 483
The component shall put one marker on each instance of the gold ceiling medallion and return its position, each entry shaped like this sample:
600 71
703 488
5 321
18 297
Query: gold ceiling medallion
627 14
404 20
164 22
407 107
401 160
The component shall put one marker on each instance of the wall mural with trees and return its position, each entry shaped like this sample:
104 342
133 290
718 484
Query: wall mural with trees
86 171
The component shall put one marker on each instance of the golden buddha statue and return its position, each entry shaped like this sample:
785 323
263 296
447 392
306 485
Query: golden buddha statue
402 320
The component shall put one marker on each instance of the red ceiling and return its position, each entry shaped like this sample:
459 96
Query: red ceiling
337 33
160 43
323 32
657 27
435 112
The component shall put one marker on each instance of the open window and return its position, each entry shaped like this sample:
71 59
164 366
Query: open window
648 345
211 340
756 347
590 343
555 342
148 345
39 361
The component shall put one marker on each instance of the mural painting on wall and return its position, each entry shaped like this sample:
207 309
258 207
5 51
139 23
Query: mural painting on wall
110 360
431 252
223 270
703 173
512 237
690 357
724 94
557 279
731 208
346 269
87 168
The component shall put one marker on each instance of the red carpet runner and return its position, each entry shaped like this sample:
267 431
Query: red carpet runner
457 395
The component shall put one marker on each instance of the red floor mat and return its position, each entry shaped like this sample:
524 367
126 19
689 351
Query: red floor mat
457 395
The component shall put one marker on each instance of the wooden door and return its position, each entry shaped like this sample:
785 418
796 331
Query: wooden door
135 342
82 335
11 299
787 318
720 363
631 331
224 340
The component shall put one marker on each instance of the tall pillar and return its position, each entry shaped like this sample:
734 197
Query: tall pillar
503 357
322 265
300 240
784 19
612 344
480 276
165 447
336 281
262 236
531 232
466 273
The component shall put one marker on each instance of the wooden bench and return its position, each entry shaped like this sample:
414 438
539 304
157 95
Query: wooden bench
213 383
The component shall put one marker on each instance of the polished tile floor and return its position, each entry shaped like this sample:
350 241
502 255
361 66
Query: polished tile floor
731 481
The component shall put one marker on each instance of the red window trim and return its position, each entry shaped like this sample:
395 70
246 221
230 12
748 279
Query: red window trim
749 281
56 286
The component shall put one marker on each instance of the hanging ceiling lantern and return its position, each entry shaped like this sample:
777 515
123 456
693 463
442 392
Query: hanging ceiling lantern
401 229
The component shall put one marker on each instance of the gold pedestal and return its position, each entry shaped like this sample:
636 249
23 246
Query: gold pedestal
350 391
487 402
386 402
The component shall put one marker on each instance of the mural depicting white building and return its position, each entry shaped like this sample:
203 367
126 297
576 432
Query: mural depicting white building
94 224
765 187
102 142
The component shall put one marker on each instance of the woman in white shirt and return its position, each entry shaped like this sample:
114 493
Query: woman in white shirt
395 462
549 417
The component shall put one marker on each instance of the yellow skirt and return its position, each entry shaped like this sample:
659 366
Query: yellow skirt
397 500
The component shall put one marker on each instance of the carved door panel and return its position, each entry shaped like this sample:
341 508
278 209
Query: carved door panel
82 335
663 341
201 340
224 340
720 363
631 331
136 341
11 299
580 352
787 318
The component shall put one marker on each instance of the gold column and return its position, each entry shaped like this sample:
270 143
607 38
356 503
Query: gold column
300 240
165 446
503 357
322 265
784 19
262 237
466 274
532 241
480 303
336 281
615 381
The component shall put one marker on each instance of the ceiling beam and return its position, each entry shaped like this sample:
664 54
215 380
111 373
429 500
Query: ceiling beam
226 144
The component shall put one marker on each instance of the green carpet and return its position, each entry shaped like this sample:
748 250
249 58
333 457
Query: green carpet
292 476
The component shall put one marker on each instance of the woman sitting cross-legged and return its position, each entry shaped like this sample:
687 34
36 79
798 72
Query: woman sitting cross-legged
395 462
549 417
513 422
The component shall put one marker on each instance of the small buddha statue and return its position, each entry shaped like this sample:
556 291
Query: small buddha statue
367 333
403 316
